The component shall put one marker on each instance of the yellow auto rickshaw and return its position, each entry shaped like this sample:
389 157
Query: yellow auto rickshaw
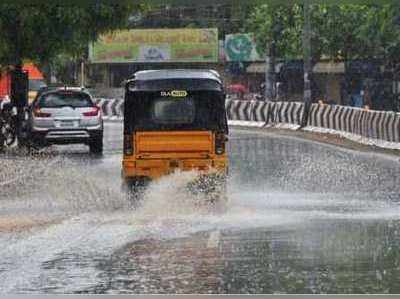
175 120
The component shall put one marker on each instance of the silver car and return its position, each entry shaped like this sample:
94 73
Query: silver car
66 116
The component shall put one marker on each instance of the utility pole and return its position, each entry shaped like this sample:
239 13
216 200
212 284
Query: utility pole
82 73
270 62
19 81
268 87
270 73
306 62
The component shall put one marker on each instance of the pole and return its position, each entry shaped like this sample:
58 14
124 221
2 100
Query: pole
267 79
19 81
82 73
270 73
307 62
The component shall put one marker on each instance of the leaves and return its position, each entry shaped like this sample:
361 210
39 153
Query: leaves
346 31
279 25
40 32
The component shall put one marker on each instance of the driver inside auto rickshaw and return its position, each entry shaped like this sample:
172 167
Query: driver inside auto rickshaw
175 120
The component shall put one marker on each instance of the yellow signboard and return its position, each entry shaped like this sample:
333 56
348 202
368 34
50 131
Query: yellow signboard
174 93
156 45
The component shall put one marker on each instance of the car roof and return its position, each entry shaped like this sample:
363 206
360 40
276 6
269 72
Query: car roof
68 88
177 74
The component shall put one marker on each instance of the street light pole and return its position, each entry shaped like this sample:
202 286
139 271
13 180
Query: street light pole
268 78
19 81
270 69
306 62
82 73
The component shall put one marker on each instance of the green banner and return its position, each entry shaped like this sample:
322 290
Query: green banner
241 47
156 45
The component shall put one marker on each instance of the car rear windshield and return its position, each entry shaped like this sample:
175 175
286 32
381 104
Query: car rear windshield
173 110
65 99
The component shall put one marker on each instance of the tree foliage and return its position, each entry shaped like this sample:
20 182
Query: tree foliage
279 25
345 31
40 32
228 16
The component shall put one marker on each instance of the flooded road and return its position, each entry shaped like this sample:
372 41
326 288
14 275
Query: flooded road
302 218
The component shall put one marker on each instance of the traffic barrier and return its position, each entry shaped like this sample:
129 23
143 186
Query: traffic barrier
288 112
267 112
239 110
262 111
381 125
111 107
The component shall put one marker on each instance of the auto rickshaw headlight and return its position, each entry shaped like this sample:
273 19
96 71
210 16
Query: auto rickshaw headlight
128 145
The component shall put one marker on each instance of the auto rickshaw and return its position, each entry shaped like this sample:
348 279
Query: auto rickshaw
175 120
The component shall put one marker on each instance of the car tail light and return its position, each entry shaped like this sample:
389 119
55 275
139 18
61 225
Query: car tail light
38 113
220 140
128 145
94 112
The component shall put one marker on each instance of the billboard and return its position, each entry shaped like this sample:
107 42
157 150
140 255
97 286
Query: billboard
156 45
241 47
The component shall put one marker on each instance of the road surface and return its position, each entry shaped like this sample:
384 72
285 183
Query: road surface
303 217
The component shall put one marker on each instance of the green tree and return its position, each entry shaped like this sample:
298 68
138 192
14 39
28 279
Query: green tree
40 32
227 16
340 32
365 32
380 33
278 26
277 29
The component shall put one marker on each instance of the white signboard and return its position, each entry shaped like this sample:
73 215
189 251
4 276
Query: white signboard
156 53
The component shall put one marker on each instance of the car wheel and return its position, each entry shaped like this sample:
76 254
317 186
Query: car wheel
96 146
30 146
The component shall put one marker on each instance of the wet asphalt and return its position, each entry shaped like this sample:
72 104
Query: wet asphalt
302 217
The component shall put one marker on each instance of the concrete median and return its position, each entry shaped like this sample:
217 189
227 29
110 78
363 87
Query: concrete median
367 126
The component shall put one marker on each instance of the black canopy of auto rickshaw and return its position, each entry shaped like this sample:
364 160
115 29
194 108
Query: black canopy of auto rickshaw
204 87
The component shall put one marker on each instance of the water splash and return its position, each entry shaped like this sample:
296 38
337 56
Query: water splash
169 197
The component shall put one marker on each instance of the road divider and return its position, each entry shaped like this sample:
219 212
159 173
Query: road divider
368 124
111 108
381 125
267 112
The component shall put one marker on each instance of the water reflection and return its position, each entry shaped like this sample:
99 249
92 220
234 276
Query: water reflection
343 237
351 257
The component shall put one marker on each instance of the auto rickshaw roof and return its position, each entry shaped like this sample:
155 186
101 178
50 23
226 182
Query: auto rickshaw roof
176 74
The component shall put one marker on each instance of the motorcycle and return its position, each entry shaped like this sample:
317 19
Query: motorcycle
8 125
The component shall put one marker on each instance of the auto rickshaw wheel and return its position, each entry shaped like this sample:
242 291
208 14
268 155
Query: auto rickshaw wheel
134 189
212 187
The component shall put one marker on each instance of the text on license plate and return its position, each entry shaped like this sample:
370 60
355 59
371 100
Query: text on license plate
66 124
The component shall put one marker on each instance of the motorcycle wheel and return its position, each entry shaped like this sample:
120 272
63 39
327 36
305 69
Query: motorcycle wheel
2 140
9 133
